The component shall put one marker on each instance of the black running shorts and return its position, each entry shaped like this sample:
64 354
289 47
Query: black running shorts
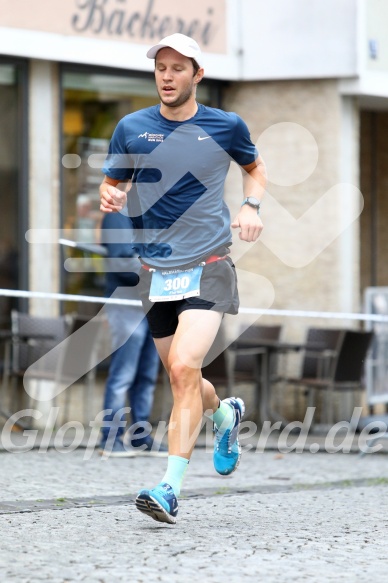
218 292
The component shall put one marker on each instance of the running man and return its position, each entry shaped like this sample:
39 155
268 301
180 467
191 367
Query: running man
167 166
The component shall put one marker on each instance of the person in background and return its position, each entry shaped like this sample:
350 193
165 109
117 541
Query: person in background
134 363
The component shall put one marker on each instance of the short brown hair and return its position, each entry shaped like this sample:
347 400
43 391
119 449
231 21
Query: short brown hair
195 65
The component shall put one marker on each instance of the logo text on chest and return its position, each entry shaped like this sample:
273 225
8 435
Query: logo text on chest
152 137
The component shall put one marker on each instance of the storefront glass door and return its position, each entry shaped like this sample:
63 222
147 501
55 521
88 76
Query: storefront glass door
13 177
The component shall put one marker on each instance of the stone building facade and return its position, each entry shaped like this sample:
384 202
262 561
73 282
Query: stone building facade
310 78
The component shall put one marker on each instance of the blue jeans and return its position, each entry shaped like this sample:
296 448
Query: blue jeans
132 372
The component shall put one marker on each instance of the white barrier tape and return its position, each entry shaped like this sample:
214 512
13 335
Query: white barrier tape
258 311
327 315
68 297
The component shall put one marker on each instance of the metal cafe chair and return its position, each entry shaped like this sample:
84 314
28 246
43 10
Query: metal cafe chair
29 338
338 367
315 362
62 352
76 359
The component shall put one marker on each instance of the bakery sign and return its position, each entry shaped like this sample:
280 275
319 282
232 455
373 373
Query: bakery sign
137 21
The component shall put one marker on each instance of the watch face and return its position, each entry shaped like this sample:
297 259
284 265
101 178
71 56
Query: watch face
253 201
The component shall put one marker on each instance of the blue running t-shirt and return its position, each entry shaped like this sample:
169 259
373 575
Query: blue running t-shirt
178 171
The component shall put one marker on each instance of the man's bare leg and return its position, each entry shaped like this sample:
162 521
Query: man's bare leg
182 356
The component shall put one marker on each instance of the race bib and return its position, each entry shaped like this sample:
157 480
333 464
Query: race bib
175 284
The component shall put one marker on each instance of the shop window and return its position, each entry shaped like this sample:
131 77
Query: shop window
12 185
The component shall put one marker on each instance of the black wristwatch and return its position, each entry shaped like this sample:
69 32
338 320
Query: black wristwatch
253 202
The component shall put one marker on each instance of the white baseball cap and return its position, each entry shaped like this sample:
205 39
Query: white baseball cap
181 43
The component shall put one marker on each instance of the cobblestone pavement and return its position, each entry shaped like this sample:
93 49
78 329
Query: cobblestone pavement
312 517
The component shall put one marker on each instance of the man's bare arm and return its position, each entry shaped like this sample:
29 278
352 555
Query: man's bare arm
254 182
255 178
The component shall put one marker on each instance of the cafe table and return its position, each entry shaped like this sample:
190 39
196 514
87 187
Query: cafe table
265 351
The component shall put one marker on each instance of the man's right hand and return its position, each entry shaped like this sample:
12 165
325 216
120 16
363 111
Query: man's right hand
112 199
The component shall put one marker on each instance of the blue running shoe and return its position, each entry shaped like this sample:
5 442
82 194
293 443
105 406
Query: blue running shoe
227 450
160 503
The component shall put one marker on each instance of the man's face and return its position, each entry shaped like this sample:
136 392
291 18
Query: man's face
174 76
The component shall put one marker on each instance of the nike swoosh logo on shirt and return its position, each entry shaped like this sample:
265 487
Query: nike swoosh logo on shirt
205 138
